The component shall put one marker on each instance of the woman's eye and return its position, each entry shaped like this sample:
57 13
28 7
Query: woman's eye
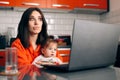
40 19
31 19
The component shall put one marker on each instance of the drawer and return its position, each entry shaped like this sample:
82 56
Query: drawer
64 53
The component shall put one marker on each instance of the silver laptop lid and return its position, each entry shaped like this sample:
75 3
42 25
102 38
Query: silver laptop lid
93 45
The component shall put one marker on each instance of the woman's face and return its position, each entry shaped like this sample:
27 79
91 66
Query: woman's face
35 23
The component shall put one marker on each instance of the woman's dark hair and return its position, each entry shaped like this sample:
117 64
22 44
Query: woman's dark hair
23 32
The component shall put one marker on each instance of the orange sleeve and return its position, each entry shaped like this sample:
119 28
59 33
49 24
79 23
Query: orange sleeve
21 53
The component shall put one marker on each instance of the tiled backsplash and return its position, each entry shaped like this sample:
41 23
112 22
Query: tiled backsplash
58 23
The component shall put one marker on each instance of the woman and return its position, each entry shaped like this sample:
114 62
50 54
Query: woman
32 31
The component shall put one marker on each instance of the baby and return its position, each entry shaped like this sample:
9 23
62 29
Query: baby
48 56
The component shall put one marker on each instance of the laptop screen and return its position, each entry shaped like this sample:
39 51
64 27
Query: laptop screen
94 44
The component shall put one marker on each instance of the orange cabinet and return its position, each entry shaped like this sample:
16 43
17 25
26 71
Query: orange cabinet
71 4
7 2
29 3
95 4
83 5
64 53
61 4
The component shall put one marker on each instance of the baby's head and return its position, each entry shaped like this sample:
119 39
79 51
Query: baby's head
49 48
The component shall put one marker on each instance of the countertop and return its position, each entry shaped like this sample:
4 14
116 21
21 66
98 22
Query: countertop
33 73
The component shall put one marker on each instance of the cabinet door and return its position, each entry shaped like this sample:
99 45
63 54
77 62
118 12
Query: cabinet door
58 4
64 53
7 2
30 3
97 4
73 3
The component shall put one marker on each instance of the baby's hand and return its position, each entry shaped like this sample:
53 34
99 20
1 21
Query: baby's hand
56 63
39 62
47 63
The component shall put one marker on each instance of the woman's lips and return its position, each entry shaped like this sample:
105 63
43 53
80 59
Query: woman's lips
35 28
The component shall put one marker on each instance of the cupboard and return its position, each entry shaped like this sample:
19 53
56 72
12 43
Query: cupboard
64 53
61 4
29 3
7 2
95 4
72 5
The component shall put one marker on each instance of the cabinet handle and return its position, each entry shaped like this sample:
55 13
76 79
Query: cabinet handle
64 55
30 4
4 2
60 5
96 5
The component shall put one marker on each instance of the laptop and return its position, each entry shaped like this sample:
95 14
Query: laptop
94 45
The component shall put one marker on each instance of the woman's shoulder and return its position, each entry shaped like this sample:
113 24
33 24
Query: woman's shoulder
16 42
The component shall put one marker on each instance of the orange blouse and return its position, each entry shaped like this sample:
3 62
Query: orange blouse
26 55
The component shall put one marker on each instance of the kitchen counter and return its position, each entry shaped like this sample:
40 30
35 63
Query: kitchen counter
30 72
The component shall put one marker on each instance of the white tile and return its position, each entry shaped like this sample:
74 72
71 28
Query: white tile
58 21
51 27
52 21
11 25
67 21
60 16
88 17
5 20
3 30
12 14
16 20
2 25
69 27
49 15
47 20
60 27
12 31
2 13
53 32
70 16
60 32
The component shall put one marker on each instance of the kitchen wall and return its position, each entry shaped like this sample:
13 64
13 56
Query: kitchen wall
114 15
58 22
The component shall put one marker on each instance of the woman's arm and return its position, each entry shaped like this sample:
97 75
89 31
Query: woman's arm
21 53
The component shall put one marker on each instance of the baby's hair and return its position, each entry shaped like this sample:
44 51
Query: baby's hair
48 41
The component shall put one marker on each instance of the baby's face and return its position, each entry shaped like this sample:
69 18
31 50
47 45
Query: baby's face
50 51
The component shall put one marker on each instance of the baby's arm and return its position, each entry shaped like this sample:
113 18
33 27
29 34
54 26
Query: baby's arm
58 61
37 62
45 63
